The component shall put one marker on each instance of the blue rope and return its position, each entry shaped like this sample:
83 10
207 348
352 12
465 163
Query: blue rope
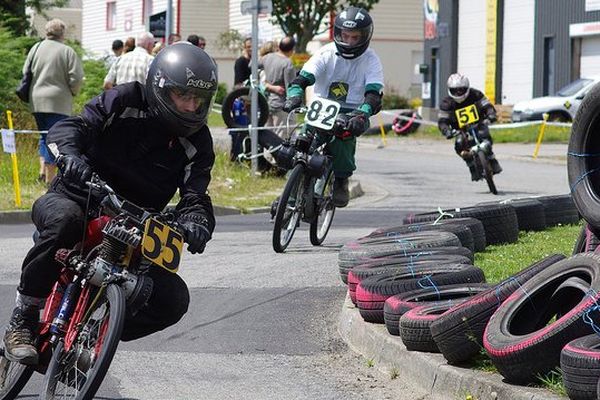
433 285
586 315
582 177
570 153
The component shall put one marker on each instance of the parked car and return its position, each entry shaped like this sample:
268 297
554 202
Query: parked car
560 107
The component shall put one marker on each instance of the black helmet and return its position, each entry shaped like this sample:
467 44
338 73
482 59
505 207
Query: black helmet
183 71
352 19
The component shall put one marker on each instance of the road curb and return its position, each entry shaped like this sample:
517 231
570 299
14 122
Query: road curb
428 370
24 216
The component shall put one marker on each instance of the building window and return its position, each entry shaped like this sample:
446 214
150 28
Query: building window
111 15
549 62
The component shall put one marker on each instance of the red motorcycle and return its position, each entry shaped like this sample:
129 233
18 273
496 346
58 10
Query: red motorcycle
103 279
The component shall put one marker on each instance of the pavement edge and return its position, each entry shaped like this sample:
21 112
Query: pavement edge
428 370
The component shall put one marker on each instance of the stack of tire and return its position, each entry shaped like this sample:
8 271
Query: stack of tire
522 322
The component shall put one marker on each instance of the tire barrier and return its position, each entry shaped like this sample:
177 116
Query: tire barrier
527 332
531 214
399 304
580 366
459 331
586 241
415 326
228 109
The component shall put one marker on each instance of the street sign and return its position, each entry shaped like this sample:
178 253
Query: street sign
264 7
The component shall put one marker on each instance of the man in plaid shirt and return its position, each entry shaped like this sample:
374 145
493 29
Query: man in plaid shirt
132 66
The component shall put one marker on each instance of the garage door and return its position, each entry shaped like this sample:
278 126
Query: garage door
590 56
471 41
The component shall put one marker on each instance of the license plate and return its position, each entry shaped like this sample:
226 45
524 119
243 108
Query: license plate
321 113
162 245
467 115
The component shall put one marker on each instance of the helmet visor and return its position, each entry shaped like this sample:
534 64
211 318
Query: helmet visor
458 91
352 37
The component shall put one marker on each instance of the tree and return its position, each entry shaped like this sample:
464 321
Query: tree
302 19
12 12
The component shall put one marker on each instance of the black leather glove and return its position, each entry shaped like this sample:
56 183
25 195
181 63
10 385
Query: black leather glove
291 103
196 236
74 170
447 133
358 123
340 127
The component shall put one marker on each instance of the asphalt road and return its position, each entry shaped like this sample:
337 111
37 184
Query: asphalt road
264 325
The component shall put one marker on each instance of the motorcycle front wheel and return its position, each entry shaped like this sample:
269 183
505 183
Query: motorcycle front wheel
324 208
77 372
289 209
13 377
486 169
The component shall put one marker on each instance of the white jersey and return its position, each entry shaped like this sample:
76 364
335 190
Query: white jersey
344 80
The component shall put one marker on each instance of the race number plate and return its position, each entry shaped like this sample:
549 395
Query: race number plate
321 113
162 245
466 115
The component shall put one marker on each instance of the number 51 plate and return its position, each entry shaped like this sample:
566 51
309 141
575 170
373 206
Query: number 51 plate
162 245
321 113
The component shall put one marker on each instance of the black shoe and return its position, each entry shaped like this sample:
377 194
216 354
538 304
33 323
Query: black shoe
20 335
496 168
474 174
341 195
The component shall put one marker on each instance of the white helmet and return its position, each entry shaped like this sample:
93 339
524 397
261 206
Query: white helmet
458 87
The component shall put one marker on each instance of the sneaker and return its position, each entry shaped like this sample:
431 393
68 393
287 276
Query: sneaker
274 205
341 195
20 335
474 174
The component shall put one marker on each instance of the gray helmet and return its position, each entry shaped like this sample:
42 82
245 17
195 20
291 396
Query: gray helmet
355 20
181 71
458 87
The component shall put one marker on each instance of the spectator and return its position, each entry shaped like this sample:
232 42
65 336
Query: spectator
279 73
197 41
174 38
129 45
117 49
157 48
267 47
241 68
132 66
57 76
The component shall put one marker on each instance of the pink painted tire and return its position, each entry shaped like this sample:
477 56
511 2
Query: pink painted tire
526 334
580 366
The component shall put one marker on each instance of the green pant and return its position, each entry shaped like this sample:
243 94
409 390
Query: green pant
342 152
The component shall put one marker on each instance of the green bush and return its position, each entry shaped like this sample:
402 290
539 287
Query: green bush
221 93
393 101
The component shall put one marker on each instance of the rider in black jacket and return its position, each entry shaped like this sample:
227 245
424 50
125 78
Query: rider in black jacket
146 142
461 95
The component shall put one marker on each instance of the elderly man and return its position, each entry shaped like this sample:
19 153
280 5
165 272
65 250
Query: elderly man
132 66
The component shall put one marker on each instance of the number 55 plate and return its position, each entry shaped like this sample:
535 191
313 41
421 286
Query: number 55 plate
162 245
321 113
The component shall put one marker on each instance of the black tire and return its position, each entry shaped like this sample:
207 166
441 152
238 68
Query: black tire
415 326
372 292
400 304
559 209
487 172
59 375
459 331
473 224
580 366
289 209
13 377
583 164
324 211
531 214
243 92
586 241
499 221
525 335
402 243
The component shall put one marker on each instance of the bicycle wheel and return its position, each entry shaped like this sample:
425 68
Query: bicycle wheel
76 371
13 377
324 208
289 209
488 174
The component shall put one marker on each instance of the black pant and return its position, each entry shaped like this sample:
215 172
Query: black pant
59 221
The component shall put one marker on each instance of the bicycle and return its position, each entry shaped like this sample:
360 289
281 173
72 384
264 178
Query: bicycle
102 279
308 192
478 151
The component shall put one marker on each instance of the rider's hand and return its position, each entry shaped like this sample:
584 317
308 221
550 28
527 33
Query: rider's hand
358 123
74 170
447 133
340 127
486 122
291 103
196 236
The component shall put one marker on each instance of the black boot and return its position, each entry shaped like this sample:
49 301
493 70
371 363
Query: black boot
20 335
474 174
496 168
274 205
341 194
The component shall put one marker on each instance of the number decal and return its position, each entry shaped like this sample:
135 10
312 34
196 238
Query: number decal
466 115
162 245
321 113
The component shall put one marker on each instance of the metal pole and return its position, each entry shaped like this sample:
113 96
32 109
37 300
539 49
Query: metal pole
169 21
253 86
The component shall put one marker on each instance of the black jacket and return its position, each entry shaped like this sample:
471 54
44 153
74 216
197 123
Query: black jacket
447 118
136 156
